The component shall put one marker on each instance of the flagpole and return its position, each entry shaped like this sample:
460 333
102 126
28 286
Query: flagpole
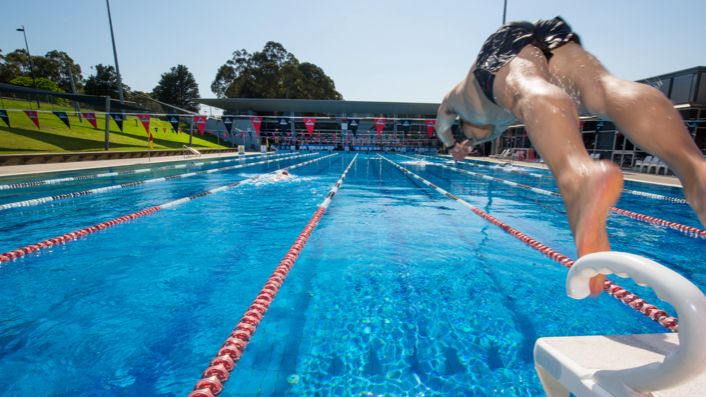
115 54
504 11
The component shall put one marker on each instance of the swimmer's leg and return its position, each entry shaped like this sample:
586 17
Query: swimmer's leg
642 112
588 188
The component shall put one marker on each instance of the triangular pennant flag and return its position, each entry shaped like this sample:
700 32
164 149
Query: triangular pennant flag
91 117
379 124
228 122
63 117
118 118
405 126
4 117
145 120
430 126
174 120
353 125
309 123
599 126
256 121
200 122
282 125
32 114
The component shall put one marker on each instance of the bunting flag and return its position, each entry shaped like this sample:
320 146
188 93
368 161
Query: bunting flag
430 126
256 121
599 126
32 114
151 147
174 120
405 126
4 117
118 118
91 117
145 119
379 124
691 126
228 121
200 122
282 125
309 123
353 125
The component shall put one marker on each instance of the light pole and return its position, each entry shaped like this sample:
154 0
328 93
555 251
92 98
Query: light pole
31 67
504 12
115 54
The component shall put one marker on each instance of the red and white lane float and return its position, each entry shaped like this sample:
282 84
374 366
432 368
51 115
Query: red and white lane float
109 174
43 200
687 230
7 256
218 371
629 365
614 290
635 192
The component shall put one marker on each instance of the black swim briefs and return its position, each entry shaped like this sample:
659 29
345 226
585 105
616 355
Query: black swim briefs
504 45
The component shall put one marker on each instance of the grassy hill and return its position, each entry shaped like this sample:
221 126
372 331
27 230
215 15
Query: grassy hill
53 135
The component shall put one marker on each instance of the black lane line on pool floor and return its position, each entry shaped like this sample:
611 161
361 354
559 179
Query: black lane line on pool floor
117 173
43 200
686 230
229 354
640 305
7 256
522 321
633 192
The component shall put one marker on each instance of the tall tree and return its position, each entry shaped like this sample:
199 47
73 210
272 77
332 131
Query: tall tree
53 66
272 73
104 82
178 87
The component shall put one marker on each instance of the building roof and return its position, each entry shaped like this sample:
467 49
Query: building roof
350 108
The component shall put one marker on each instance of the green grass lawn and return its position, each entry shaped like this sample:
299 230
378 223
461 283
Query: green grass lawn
53 135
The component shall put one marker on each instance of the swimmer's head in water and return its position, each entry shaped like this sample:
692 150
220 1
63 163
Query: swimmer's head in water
285 172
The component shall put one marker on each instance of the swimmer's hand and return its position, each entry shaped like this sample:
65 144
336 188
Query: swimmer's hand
595 284
461 150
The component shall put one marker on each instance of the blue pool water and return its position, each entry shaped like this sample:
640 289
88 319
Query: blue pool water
400 291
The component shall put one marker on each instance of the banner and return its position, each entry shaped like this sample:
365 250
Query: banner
353 125
174 120
256 121
405 126
145 120
4 117
430 126
118 118
200 122
309 123
228 121
282 125
32 114
91 117
379 124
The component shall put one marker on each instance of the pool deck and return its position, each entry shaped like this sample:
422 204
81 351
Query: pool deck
10 170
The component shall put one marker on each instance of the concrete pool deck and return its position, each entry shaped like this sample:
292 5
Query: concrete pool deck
12 170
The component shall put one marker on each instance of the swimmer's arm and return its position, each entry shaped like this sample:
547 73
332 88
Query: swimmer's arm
445 118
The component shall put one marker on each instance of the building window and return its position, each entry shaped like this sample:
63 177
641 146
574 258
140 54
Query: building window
681 89
701 96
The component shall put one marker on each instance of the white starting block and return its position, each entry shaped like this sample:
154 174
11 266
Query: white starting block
651 365
189 151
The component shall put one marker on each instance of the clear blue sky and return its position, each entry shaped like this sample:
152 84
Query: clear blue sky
409 51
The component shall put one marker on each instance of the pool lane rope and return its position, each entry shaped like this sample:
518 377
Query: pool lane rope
635 192
687 230
7 256
218 371
618 292
44 200
109 174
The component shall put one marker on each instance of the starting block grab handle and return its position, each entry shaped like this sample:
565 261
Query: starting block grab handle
689 302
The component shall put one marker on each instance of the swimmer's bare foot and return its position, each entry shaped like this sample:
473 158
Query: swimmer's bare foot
589 192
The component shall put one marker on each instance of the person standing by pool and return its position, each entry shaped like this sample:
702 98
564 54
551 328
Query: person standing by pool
539 74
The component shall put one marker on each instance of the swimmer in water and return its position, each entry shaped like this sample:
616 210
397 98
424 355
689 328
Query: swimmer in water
539 74
282 175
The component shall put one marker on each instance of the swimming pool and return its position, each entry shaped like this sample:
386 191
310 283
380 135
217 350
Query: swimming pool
399 291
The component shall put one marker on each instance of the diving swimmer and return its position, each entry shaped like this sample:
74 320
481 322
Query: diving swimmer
539 74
